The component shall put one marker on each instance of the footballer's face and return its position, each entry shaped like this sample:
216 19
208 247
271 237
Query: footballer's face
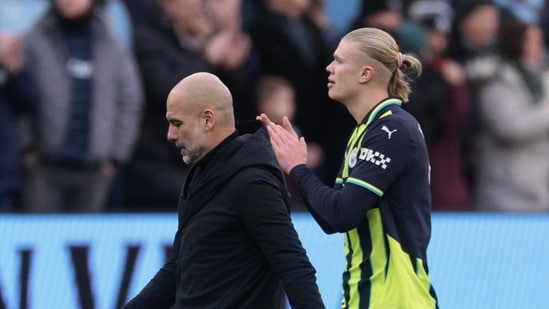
345 71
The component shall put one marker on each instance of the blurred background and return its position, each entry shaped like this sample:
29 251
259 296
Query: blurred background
89 184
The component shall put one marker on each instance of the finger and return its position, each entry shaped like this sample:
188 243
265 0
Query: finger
275 138
286 134
263 118
283 135
288 126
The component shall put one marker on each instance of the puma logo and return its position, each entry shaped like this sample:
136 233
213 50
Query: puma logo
389 132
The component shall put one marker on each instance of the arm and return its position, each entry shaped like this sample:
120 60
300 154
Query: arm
160 291
344 207
335 210
266 215
18 84
29 128
130 105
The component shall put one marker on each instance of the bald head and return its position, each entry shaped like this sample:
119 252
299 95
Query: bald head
201 91
200 112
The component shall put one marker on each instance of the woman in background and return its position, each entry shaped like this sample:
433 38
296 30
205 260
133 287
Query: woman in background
513 169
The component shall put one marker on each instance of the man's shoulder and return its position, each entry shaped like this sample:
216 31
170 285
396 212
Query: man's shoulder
254 174
396 118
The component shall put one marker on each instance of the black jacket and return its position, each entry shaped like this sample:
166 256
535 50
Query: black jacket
236 246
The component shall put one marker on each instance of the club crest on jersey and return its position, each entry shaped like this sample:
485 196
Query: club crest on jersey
352 158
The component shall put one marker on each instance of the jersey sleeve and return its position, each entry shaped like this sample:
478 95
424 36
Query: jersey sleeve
381 158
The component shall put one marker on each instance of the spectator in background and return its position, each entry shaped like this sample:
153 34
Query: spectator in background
276 99
474 30
179 38
531 12
389 15
440 103
89 113
472 44
383 14
238 64
18 96
291 45
513 167
319 16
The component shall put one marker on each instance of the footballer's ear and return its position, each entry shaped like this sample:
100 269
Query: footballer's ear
366 74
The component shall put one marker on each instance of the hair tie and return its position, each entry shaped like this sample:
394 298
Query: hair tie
400 59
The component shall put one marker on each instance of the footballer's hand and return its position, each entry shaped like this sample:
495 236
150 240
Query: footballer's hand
290 150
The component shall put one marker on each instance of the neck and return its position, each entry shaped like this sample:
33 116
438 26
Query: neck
220 136
364 103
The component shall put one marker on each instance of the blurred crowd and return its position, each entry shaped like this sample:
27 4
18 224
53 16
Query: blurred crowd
83 92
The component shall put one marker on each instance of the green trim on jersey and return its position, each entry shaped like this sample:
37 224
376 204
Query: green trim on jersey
368 186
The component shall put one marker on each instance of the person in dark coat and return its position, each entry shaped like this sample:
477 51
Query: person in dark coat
18 96
235 246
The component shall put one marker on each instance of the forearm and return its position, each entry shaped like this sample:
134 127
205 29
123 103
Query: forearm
335 210
300 286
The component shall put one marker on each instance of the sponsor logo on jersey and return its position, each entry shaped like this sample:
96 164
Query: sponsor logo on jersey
368 155
389 132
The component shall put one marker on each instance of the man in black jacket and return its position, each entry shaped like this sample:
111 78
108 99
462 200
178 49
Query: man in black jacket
235 246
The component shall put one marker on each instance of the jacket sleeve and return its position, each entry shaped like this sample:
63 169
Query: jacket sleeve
160 291
130 102
265 213
28 128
